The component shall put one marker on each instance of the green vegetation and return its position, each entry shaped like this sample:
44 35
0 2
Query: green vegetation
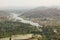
12 28
9 28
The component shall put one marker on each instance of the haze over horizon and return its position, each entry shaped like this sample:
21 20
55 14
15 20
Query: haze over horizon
28 3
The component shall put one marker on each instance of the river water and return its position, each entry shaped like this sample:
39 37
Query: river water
16 17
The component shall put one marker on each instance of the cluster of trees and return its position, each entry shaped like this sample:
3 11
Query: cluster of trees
51 32
8 28
11 28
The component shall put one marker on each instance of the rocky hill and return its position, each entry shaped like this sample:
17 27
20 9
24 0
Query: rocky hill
43 12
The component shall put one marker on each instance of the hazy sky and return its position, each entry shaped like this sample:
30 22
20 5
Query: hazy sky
28 3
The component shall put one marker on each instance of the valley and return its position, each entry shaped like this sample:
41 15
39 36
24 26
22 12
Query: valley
33 24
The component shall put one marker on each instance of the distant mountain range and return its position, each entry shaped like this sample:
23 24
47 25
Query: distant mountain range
6 12
42 12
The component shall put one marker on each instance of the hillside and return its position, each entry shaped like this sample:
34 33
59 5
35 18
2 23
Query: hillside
7 11
43 12
4 13
8 28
